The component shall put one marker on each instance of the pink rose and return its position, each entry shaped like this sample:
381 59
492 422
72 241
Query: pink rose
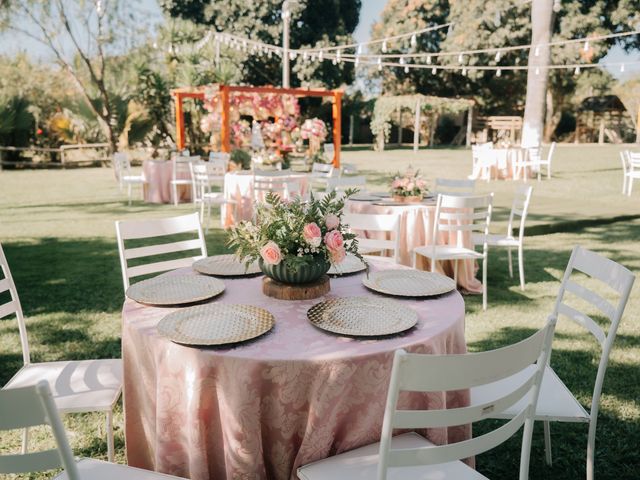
312 234
333 239
271 254
410 186
396 184
331 221
337 256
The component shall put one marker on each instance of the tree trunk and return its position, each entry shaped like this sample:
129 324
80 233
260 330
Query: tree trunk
538 73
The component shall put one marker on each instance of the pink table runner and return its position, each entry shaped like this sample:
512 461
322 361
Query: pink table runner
238 186
262 409
416 229
159 174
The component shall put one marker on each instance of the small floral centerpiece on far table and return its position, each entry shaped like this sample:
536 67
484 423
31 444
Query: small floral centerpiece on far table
408 188
296 242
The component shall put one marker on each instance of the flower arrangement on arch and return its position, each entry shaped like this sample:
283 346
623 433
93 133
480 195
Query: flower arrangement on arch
296 232
409 184
313 128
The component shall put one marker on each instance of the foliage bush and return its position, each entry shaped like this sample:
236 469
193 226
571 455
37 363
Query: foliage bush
242 158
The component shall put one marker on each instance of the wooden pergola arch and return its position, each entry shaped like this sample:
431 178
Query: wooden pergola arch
225 91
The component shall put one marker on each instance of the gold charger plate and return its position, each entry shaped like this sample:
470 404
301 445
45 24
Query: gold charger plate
362 316
409 283
225 266
175 289
216 324
350 264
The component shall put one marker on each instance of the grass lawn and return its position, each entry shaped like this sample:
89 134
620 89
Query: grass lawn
57 231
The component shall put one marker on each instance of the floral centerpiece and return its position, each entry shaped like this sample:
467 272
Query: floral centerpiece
409 187
296 242
314 130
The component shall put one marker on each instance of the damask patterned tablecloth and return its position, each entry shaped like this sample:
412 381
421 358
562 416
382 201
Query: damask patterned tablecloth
416 230
262 409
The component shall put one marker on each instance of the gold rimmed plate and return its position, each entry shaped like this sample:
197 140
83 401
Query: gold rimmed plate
216 324
362 316
409 283
350 264
175 290
225 266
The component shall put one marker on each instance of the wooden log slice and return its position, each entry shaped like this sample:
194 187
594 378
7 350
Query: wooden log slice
306 291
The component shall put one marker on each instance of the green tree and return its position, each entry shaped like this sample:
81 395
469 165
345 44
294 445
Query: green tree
500 23
314 23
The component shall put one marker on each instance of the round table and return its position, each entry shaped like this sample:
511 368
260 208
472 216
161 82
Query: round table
416 230
159 174
238 186
262 409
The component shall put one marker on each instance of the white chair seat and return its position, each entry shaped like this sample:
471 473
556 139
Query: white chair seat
181 181
77 386
134 179
495 240
98 470
447 252
556 403
216 197
362 464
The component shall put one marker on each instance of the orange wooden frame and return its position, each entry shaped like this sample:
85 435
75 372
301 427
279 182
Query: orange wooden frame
225 91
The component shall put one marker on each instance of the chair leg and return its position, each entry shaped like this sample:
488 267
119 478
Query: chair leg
521 266
110 449
25 440
547 443
201 212
630 186
591 450
455 271
174 193
484 283
510 262
208 217
129 193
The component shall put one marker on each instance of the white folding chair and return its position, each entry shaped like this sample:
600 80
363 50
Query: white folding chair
220 156
547 161
634 169
526 159
340 184
460 216
329 150
519 208
624 158
146 229
483 159
410 456
447 186
78 386
204 174
34 405
557 403
181 174
379 225
122 170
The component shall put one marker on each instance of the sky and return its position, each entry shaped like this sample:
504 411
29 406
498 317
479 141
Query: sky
369 13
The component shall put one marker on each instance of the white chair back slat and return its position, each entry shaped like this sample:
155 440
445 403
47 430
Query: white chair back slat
162 249
601 268
519 208
163 266
146 229
584 321
389 224
27 407
4 285
460 214
428 373
449 186
13 306
322 169
593 298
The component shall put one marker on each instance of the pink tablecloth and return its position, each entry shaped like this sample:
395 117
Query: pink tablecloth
159 174
416 230
238 186
262 409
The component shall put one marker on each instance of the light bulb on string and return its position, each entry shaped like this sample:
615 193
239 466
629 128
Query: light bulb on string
304 55
384 46
401 60
359 49
460 58
334 61
498 55
414 40
320 55
434 70
537 70
406 69
586 46
357 61
379 64
622 68
464 71
576 71
428 59
499 72
338 56
292 55
536 52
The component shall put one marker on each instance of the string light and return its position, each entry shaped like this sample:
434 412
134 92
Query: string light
434 71
498 55
586 46
499 72
537 70
384 47
406 69
320 55
460 58
414 40
338 56
429 60
379 64
464 71
576 71
622 68
536 52
359 49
